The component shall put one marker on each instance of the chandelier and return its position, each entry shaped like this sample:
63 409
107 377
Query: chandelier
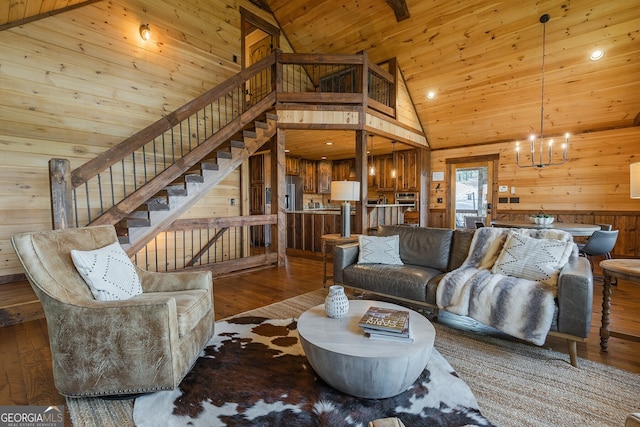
539 147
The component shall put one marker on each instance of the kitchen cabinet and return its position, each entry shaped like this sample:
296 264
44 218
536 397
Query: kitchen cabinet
324 168
292 165
309 174
408 170
342 170
384 168
305 229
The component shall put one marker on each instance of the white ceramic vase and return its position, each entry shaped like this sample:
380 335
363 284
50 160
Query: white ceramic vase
336 304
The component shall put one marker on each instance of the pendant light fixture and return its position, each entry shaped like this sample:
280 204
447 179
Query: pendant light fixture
539 162
394 171
372 168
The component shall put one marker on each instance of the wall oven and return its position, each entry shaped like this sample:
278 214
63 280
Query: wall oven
409 199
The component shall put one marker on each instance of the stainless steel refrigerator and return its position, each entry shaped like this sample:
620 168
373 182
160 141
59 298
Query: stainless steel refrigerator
293 193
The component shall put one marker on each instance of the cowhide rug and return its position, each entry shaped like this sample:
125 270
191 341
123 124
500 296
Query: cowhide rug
253 372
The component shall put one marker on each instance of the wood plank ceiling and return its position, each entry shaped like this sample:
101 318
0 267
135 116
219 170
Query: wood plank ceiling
482 59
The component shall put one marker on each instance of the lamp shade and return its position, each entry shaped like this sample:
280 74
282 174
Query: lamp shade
635 180
345 190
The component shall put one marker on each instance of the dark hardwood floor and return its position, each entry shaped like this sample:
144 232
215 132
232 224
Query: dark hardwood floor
25 358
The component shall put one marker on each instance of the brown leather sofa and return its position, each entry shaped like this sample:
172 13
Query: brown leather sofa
429 253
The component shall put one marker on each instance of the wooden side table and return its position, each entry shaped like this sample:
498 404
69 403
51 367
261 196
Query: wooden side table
625 269
332 240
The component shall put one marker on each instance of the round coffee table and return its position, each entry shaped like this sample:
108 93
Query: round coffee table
343 356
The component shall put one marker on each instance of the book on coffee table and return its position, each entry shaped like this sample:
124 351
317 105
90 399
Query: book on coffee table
403 336
385 320
391 336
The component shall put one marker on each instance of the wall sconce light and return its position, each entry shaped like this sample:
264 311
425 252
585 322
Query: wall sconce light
145 32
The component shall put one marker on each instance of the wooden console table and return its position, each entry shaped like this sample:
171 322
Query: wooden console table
333 239
625 269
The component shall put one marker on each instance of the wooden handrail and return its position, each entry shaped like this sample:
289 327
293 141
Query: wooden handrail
314 58
108 158
222 222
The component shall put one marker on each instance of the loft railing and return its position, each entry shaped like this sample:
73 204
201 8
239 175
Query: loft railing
336 79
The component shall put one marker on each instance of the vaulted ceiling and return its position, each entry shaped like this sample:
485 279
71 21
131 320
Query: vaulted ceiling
481 58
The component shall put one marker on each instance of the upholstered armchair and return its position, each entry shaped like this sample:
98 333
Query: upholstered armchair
142 344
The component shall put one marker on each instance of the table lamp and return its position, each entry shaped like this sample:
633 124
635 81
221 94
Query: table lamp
345 191
634 189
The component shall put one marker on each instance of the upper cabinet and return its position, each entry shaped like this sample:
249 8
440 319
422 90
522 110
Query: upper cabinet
344 170
308 172
408 170
384 168
292 165
324 176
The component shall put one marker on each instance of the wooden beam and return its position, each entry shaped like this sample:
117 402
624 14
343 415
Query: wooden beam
400 9
45 15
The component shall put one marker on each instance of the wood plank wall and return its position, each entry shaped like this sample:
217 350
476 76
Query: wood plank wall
592 187
77 83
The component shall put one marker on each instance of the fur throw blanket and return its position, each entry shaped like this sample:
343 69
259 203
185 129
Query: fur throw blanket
518 306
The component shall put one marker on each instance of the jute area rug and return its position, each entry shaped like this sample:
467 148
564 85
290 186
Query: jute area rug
515 384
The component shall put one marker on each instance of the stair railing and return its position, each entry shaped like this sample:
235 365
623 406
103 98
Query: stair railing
216 244
103 183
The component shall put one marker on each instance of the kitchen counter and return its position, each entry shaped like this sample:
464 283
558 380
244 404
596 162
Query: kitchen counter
320 211
390 205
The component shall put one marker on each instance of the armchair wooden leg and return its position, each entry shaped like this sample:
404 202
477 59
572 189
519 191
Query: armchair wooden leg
573 352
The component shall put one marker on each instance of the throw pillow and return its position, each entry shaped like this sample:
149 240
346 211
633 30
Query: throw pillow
534 259
379 250
108 272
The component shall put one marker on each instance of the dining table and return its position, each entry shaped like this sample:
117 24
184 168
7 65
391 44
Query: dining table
576 229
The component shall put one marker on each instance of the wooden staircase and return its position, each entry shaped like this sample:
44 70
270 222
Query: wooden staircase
164 207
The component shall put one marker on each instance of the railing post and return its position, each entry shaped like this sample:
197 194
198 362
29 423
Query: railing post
364 79
276 83
61 194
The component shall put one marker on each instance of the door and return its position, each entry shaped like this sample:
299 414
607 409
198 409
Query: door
260 84
259 38
472 193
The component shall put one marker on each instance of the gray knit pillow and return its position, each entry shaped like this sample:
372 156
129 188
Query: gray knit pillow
379 250
534 259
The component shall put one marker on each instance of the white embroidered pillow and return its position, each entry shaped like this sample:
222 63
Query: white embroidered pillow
534 259
379 250
108 272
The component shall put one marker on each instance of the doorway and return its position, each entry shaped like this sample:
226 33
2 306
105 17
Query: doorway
472 191
259 38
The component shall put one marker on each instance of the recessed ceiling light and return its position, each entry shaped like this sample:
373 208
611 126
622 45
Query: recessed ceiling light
287 150
596 55
431 95
329 143
324 157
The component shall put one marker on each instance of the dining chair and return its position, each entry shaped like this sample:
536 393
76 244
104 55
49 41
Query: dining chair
600 243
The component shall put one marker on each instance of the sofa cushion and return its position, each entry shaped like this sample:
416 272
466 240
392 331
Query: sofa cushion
531 258
405 281
460 247
108 272
427 247
379 250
